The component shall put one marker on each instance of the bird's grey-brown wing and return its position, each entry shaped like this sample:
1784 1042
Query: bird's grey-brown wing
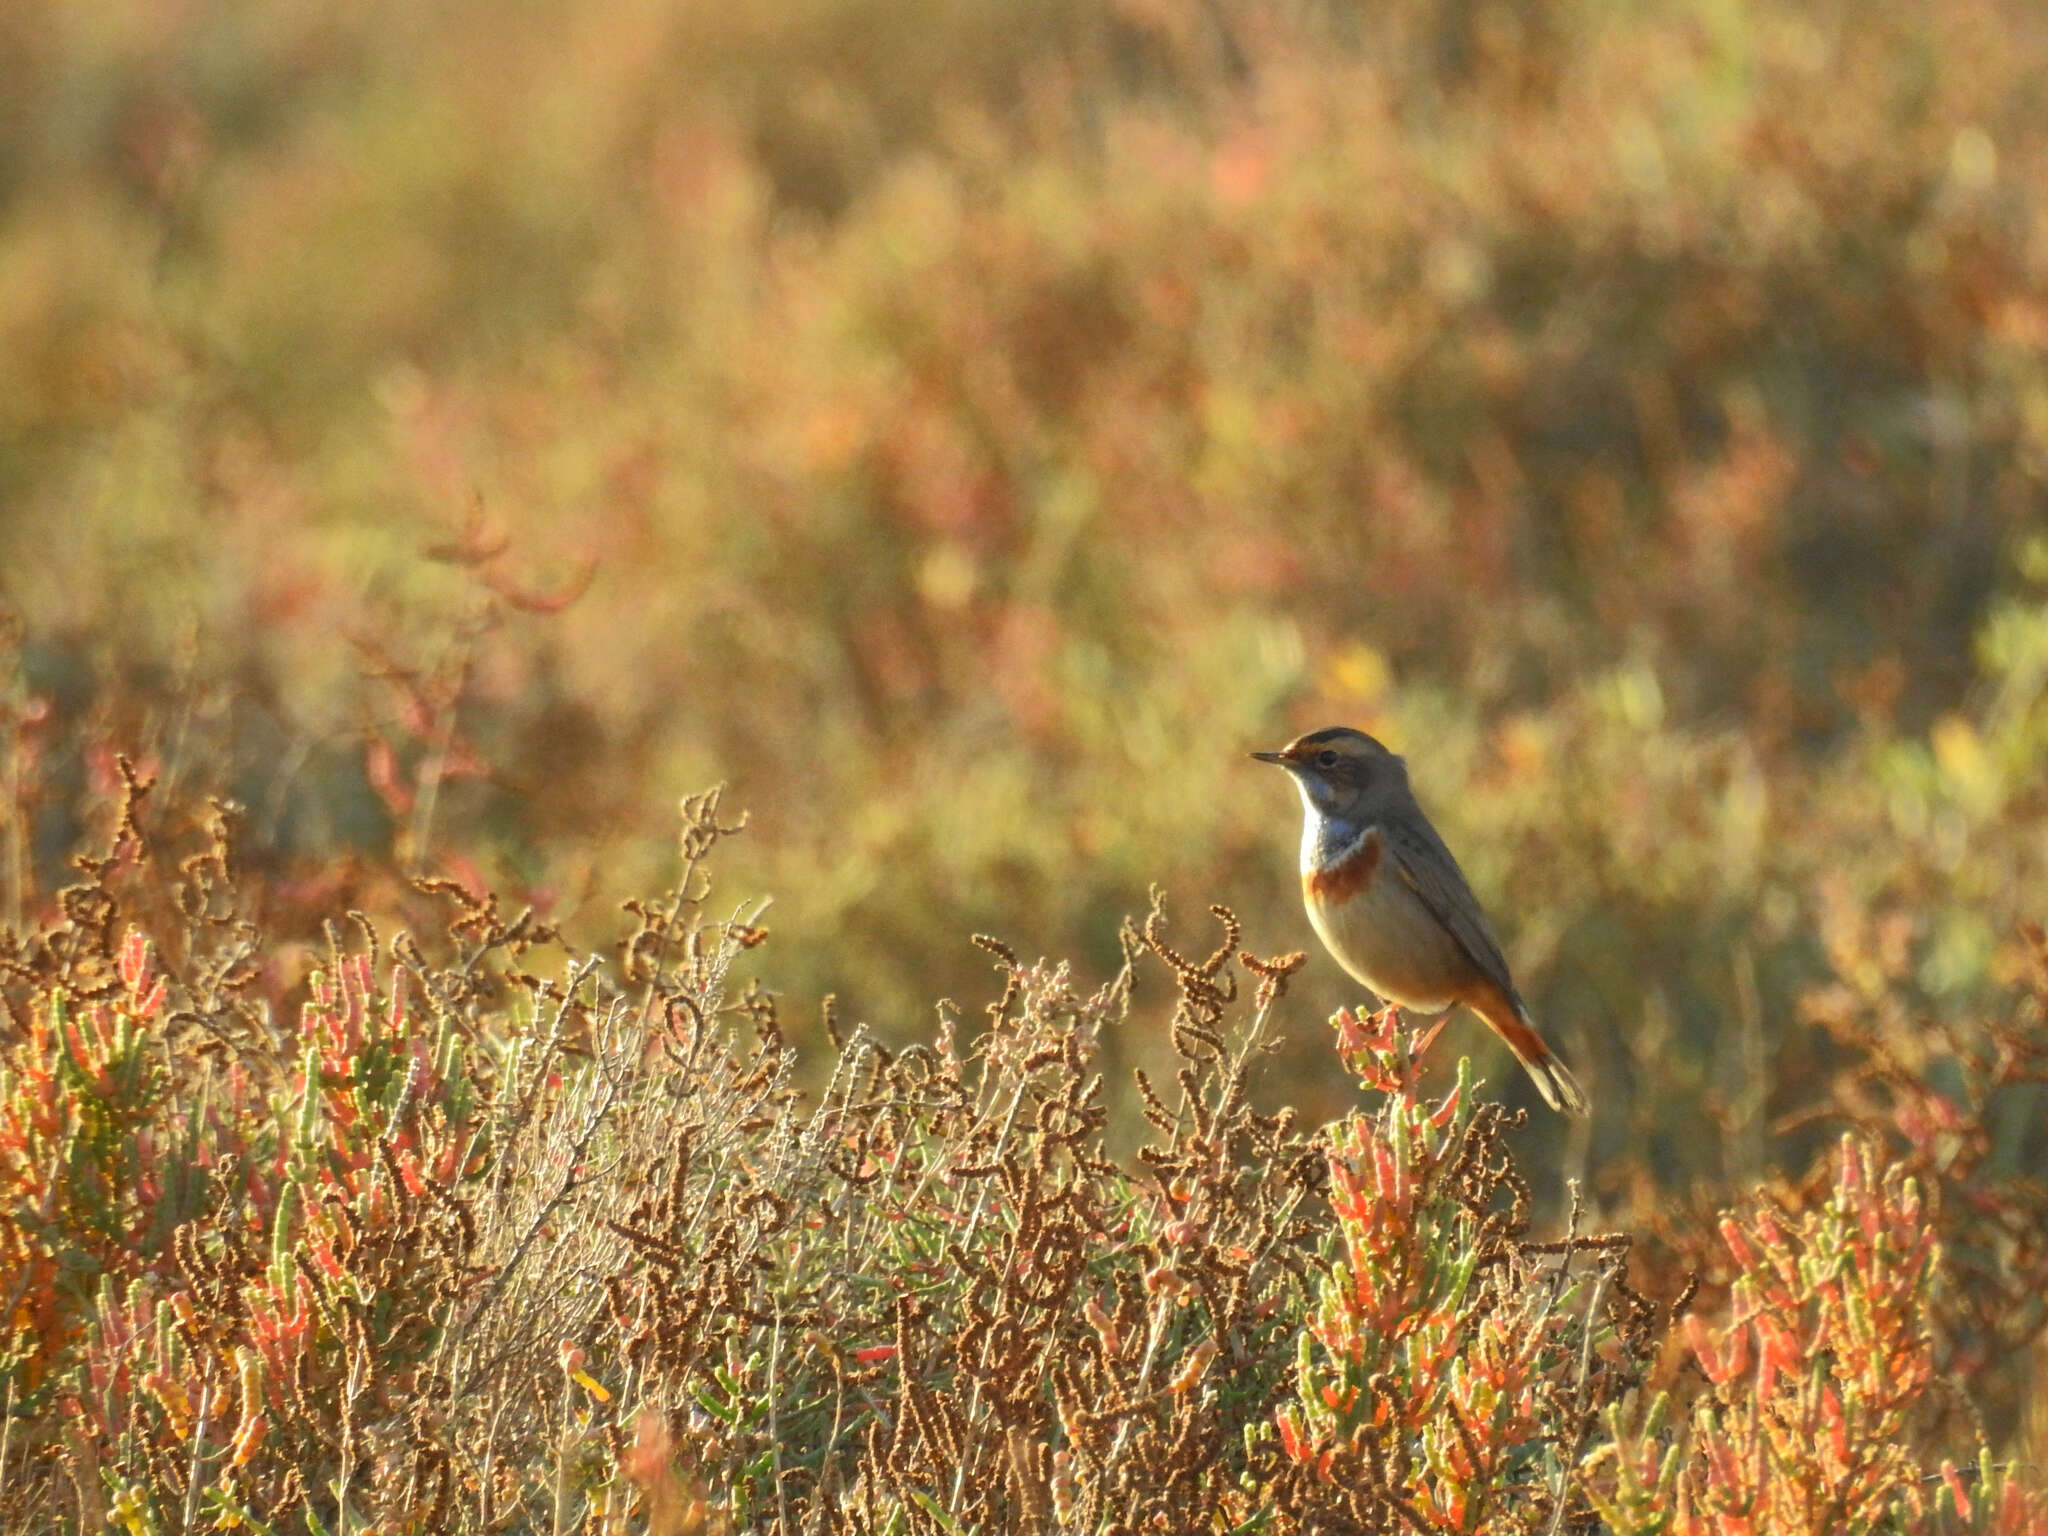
1426 866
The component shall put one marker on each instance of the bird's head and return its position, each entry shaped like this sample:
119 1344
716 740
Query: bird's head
1339 770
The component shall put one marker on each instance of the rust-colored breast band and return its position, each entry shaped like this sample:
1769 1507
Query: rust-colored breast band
1350 876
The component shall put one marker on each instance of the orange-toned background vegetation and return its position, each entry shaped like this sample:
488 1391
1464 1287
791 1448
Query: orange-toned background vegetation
967 430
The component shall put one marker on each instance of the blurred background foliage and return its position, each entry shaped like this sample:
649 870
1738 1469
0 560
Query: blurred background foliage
977 426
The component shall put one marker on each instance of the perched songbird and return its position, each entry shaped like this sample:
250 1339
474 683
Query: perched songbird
1390 903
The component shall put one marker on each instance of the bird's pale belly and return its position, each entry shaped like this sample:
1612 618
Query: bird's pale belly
1385 937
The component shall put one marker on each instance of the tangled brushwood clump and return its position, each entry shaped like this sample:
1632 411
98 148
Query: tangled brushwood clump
442 1224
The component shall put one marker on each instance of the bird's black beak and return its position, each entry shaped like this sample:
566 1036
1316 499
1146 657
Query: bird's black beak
1272 757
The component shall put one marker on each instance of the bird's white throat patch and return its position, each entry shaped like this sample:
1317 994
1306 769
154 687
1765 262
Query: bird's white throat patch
1328 841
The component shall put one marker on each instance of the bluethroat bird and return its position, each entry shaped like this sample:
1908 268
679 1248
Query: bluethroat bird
1391 905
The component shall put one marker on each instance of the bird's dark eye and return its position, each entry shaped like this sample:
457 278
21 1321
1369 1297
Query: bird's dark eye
1326 759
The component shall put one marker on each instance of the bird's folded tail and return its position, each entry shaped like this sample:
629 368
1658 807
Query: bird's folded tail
1509 1020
